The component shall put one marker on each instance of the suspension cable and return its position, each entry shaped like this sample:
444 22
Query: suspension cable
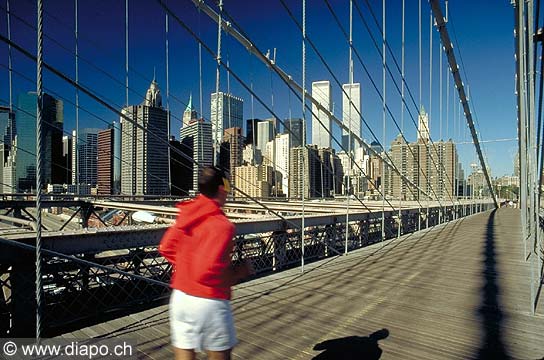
386 106
390 164
426 128
39 181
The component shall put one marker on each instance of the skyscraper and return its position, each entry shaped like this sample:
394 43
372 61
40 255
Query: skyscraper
67 158
321 91
255 181
294 128
116 158
198 137
87 150
7 123
325 173
22 160
231 152
104 163
423 126
351 118
265 131
303 169
190 112
252 131
431 168
181 168
7 128
227 111
282 160
144 148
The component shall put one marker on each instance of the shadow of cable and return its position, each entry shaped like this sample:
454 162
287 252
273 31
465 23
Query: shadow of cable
352 347
490 312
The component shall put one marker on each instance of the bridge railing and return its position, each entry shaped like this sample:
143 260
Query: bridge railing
91 275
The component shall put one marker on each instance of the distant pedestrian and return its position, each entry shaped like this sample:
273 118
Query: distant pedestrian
199 246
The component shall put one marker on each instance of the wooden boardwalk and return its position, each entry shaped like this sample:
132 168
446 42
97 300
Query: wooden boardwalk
457 291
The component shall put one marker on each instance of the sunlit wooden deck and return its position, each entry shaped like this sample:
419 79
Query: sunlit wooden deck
457 291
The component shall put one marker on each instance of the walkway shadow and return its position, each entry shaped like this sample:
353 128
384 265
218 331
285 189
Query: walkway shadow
490 311
352 347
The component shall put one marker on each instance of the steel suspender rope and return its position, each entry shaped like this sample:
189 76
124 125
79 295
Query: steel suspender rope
383 119
39 155
303 149
401 192
168 94
216 128
10 74
76 140
427 131
129 112
350 70
420 99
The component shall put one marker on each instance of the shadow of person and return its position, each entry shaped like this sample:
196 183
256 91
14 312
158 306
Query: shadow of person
352 347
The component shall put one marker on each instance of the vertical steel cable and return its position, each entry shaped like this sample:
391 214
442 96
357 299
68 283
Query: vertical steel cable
39 158
10 69
448 96
126 53
383 119
533 181
302 230
217 73
522 127
420 103
76 140
11 115
440 91
168 95
402 104
429 114
420 58
348 182
199 67
441 146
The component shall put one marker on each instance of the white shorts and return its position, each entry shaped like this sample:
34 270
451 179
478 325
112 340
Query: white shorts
200 323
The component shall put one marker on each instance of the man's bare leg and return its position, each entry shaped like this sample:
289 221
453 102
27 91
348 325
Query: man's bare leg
219 355
184 354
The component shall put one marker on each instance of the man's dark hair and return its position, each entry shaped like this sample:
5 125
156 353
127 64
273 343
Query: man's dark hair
209 181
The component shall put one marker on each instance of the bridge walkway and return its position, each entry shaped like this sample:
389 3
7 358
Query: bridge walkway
456 291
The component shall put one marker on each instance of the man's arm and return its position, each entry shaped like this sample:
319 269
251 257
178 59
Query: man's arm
168 244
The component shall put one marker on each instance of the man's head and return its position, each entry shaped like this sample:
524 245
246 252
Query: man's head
214 184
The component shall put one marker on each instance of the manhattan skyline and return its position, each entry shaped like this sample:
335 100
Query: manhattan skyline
486 59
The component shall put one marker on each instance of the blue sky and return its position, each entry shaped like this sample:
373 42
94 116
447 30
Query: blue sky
482 31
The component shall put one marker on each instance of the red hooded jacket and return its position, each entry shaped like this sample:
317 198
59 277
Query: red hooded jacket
199 247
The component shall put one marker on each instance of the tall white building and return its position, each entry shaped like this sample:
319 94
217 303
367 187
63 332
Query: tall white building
144 149
282 161
197 135
423 126
265 134
227 111
190 112
321 91
350 111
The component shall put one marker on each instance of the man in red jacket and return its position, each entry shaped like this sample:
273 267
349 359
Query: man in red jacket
199 247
